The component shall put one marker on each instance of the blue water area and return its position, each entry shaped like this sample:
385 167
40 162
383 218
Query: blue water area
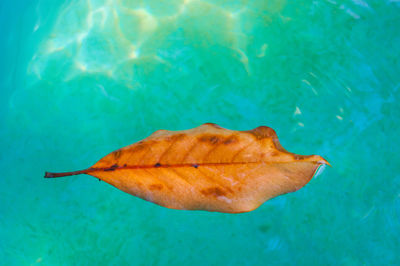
82 78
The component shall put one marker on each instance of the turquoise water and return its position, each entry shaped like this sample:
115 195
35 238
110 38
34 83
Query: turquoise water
80 79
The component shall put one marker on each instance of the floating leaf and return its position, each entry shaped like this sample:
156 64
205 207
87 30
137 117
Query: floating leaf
206 168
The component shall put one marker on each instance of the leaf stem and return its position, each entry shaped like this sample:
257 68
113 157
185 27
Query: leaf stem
54 175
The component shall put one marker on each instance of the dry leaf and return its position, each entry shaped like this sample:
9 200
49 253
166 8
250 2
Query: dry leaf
206 168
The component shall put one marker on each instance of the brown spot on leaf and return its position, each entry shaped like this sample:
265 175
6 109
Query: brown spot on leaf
138 147
112 167
117 154
156 187
213 191
176 137
297 157
230 140
262 132
210 139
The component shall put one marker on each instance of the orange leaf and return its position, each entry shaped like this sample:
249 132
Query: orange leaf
206 168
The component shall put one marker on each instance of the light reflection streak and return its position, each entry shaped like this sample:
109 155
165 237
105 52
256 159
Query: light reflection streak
104 23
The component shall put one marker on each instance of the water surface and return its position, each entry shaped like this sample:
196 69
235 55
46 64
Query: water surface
80 79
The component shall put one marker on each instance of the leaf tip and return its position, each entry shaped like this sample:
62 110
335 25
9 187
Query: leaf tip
323 161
